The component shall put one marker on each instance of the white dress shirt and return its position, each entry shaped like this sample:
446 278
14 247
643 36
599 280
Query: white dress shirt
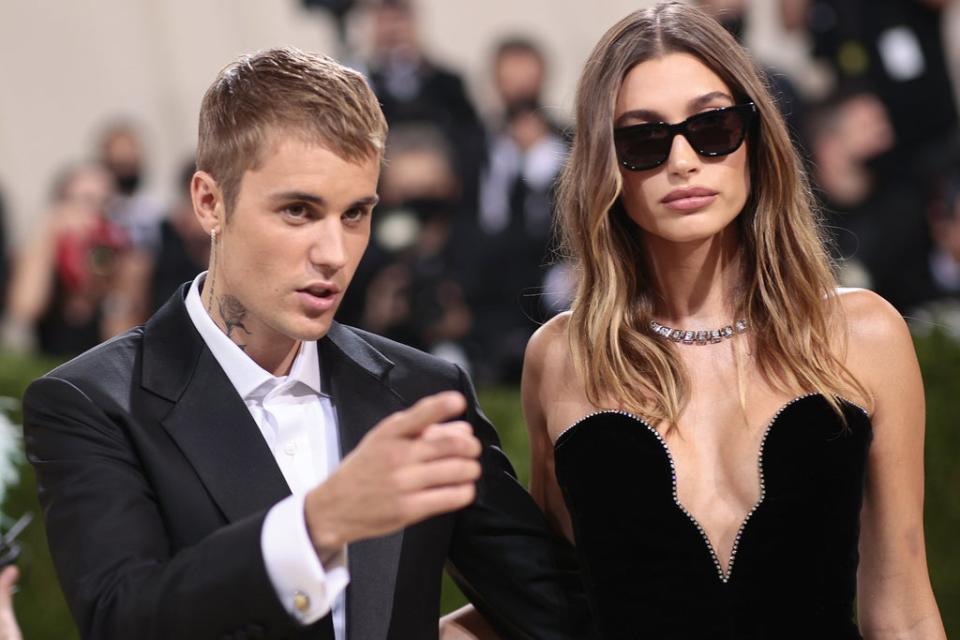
299 424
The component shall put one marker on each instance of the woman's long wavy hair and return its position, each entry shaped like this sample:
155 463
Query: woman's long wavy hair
787 289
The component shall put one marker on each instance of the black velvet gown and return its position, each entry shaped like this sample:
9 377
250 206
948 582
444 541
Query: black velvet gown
648 567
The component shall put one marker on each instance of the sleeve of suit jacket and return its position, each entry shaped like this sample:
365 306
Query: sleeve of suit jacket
107 536
521 577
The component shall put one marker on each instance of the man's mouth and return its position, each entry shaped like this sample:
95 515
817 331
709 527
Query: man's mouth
321 291
319 297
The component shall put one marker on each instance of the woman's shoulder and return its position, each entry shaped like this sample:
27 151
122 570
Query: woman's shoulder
549 340
547 359
869 319
878 342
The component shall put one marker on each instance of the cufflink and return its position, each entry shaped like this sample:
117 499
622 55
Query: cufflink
301 602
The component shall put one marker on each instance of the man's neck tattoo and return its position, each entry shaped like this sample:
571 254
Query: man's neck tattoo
232 312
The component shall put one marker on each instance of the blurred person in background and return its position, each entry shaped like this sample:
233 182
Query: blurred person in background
889 53
878 226
945 225
526 151
414 88
121 151
73 284
515 225
733 16
415 295
846 133
184 247
519 71
941 286
895 50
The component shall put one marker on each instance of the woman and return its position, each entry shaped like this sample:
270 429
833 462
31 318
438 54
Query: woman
715 425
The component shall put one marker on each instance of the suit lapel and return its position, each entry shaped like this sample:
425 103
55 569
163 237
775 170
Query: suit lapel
357 376
209 420
215 431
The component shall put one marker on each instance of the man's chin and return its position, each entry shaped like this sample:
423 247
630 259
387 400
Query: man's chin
311 330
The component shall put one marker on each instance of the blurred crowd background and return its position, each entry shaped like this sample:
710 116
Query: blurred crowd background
98 109
461 261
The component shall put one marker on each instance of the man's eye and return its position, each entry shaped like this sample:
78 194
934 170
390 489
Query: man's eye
297 211
354 215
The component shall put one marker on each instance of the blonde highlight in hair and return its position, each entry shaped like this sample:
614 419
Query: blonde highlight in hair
284 89
788 290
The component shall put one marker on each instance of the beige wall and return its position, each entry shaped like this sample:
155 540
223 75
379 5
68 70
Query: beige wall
66 66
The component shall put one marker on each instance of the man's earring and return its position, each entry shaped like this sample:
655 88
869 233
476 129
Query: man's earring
213 267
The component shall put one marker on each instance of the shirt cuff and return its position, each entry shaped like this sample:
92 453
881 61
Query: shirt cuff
305 586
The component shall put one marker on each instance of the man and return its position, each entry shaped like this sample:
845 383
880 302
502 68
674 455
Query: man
190 470
525 154
415 89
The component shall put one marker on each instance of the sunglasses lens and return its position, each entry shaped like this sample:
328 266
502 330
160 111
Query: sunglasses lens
643 146
713 133
718 132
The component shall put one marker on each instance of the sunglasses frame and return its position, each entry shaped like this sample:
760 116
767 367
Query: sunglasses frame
747 111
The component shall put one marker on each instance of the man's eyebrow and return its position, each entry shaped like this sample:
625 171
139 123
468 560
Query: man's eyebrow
651 115
303 196
369 201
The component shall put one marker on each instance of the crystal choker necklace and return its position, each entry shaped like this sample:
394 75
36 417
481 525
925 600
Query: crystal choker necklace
698 337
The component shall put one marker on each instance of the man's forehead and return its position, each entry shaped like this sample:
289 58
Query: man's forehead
276 140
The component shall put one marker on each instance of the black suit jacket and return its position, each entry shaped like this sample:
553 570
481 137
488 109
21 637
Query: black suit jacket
155 481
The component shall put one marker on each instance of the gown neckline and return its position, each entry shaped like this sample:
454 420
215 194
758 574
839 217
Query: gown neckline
724 573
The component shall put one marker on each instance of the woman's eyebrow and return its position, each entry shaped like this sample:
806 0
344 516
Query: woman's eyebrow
702 101
651 115
639 114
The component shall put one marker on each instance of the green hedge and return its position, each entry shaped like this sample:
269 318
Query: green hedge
43 613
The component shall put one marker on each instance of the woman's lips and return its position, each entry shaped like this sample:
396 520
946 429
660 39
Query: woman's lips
689 199
690 203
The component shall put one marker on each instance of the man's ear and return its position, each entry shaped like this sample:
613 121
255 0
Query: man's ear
208 203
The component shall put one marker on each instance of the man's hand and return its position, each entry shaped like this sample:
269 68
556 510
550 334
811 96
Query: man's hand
9 630
466 623
409 467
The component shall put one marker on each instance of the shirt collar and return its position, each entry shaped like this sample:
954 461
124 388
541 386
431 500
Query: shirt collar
244 374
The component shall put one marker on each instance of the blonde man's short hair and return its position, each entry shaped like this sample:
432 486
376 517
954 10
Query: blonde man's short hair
305 94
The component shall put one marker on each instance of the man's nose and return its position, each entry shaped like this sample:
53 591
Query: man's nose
328 245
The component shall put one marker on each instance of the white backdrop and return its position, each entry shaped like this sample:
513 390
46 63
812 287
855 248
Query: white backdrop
68 66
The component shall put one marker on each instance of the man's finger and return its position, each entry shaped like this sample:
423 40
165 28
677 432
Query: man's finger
439 473
442 441
444 429
431 502
8 578
439 407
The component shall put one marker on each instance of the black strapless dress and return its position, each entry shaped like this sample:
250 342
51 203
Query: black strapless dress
648 567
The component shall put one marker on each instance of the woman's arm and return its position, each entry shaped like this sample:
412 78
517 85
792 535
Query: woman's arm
895 599
544 365
31 284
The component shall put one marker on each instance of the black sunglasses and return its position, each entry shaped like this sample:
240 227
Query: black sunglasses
713 133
